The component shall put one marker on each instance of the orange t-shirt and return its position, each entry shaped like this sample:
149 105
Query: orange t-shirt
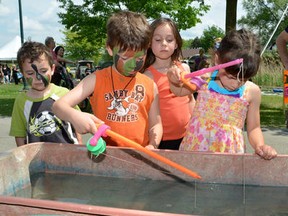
127 114
174 111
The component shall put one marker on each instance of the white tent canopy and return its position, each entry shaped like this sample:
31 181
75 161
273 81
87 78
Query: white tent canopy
9 50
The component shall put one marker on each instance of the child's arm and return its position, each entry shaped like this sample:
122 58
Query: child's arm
61 59
20 141
178 86
155 124
254 131
79 138
64 107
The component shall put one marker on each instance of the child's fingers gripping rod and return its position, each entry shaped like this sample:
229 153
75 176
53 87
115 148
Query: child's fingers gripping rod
187 82
105 130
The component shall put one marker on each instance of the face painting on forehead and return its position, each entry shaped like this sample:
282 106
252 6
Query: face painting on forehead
130 64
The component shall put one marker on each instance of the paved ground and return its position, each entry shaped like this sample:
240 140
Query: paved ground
278 138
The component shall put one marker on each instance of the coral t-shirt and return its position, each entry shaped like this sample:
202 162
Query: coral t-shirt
174 111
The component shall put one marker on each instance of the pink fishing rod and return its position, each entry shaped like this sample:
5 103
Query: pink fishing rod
210 69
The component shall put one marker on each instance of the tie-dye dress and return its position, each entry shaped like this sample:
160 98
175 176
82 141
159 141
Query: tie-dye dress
218 120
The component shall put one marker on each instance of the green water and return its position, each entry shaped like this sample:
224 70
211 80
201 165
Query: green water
160 196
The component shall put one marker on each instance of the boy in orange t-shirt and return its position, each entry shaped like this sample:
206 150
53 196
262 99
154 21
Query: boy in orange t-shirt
124 99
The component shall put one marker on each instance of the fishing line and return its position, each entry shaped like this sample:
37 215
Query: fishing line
132 163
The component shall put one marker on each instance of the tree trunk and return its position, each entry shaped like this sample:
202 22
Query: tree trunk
231 15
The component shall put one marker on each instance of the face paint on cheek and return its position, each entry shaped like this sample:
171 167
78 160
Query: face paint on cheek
40 76
130 66
47 80
29 80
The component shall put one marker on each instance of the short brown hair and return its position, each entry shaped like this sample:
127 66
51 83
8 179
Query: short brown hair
128 30
33 50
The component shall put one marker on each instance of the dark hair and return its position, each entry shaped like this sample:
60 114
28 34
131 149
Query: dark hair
48 40
57 48
128 30
150 59
33 50
240 44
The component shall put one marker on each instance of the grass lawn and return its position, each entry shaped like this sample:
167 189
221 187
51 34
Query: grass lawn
8 94
271 109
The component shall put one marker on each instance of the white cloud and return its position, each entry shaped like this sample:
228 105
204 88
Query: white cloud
51 11
31 24
4 10
40 19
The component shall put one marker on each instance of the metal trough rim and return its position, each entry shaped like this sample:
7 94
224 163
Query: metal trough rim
75 208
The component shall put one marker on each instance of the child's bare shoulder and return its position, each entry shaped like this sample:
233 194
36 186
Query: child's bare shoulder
252 86
254 91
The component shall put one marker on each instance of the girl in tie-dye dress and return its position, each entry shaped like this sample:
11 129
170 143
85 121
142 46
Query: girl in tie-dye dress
226 101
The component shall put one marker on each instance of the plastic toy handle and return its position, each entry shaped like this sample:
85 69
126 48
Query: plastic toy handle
193 87
137 146
100 132
211 69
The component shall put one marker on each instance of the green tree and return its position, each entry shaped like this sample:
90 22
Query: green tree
209 35
89 19
262 16
196 43
78 48
186 44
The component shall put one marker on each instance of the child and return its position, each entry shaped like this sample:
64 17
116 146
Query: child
32 117
124 99
164 53
226 100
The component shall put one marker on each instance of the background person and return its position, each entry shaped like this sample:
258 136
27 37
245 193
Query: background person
60 72
16 74
7 73
1 74
281 43
198 60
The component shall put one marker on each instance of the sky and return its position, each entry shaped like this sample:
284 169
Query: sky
40 20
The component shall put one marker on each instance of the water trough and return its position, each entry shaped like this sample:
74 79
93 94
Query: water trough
247 176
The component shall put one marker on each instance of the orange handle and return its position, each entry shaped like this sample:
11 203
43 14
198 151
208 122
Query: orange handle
137 146
193 87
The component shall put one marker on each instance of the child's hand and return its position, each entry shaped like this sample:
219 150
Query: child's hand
198 82
173 75
266 152
86 123
150 147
